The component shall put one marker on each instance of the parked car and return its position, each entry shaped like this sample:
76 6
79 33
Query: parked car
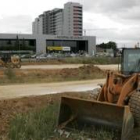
49 56
41 57
25 56
73 55
34 56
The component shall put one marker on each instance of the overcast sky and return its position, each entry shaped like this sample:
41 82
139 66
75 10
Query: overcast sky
108 20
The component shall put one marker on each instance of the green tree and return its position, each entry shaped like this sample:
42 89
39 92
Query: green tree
109 45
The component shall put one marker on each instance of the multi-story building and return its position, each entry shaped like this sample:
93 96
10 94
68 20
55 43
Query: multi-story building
50 22
73 19
37 25
67 21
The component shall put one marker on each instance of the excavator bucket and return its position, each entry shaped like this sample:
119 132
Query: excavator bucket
80 114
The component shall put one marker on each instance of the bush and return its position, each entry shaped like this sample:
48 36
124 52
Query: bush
37 125
10 73
92 60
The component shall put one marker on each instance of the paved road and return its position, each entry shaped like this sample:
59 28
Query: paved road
15 91
61 66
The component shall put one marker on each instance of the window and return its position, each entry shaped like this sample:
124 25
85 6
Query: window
31 42
9 42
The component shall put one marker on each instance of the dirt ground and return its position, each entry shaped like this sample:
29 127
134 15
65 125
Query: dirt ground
62 66
8 76
10 108
36 89
62 70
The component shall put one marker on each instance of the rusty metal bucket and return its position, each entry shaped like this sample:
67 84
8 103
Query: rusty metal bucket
79 114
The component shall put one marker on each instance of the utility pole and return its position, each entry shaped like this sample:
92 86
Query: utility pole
18 45
84 32
138 44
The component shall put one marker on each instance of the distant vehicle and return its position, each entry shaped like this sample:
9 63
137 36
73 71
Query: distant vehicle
25 56
9 60
34 56
73 55
49 56
87 55
41 57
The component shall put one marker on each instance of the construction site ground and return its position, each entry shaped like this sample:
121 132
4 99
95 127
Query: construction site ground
9 107
62 66
12 107
16 83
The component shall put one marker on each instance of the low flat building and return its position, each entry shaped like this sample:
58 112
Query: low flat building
40 43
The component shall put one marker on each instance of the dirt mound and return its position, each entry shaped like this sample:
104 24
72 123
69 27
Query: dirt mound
47 75
84 72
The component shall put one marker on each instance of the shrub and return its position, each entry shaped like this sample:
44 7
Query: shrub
10 73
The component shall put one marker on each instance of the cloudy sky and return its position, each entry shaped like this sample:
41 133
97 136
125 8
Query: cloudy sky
109 20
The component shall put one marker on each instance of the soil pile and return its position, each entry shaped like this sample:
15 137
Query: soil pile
51 75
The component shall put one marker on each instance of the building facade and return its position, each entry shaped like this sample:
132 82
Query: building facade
52 22
73 19
67 21
40 43
37 25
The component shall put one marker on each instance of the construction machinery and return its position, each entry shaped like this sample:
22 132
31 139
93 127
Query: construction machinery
10 60
117 106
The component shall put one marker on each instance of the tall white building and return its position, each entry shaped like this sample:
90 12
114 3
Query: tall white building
73 19
37 25
67 21
50 22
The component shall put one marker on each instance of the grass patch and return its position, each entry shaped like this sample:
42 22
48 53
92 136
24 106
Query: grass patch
37 125
40 125
77 60
90 60
10 74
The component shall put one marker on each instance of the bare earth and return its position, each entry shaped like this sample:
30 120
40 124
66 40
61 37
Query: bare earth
16 91
11 107
21 90
61 66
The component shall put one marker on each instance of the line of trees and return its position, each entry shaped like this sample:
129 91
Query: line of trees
109 45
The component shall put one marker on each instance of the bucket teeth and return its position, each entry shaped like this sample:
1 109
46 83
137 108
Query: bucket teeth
63 125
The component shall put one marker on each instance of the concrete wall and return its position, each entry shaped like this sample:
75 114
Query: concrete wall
91 44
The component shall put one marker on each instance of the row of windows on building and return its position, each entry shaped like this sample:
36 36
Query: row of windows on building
32 43
18 44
